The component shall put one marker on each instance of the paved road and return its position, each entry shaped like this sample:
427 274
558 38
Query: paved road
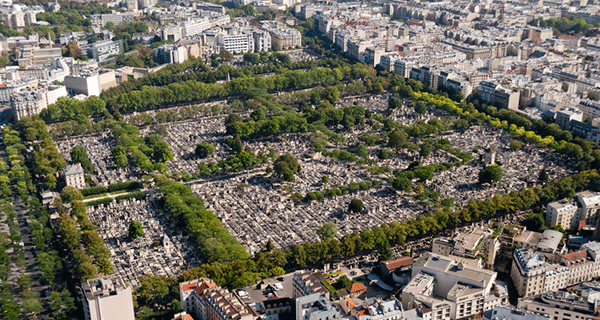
31 268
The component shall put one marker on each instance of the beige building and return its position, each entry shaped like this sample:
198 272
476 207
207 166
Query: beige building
202 298
568 214
528 272
74 176
27 103
107 299
38 57
532 276
561 306
285 38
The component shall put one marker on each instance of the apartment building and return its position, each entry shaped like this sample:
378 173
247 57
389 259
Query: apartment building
568 214
528 272
452 289
27 103
469 246
107 299
493 93
191 295
90 82
104 50
307 283
590 109
100 20
285 38
223 305
316 306
533 276
38 57
236 43
562 305
206 301
564 116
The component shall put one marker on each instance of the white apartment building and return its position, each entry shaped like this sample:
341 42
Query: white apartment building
195 27
236 43
285 38
104 50
100 20
561 305
90 82
107 299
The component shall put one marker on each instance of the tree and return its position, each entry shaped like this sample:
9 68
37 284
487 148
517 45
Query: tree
135 229
489 174
397 139
325 179
420 107
270 245
426 149
4 61
73 50
119 154
251 58
515 145
226 55
286 166
394 103
543 177
70 194
355 206
79 154
204 149
403 184
162 152
327 231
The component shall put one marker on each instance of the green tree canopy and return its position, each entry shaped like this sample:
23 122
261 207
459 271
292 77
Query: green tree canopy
204 149
135 229
327 231
286 166
355 206
491 173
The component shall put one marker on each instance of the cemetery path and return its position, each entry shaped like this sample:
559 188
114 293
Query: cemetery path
32 267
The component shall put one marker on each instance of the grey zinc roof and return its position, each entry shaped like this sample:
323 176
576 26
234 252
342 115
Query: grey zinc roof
74 169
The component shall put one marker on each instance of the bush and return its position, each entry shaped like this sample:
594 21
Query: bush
515 145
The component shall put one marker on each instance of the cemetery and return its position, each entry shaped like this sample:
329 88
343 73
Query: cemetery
162 250
255 205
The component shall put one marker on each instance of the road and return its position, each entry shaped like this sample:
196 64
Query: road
32 267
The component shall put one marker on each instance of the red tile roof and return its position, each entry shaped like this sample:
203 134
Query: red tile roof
184 317
398 263
357 287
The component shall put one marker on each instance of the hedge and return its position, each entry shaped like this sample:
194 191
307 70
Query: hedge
139 195
127 185
98 202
